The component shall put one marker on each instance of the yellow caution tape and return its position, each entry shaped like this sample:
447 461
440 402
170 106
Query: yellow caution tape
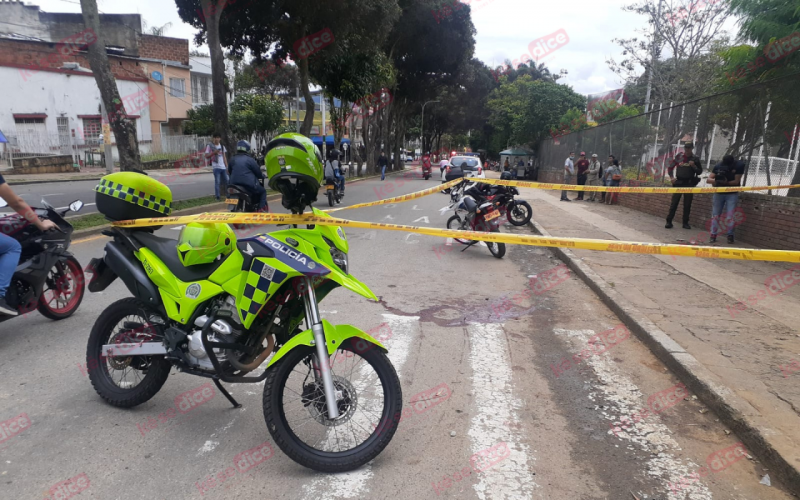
607 189
398 199
556 187
577 243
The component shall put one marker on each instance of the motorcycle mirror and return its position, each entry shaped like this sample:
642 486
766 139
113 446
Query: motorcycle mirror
3 203
76 205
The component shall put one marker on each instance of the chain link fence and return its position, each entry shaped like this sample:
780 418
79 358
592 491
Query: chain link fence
758 124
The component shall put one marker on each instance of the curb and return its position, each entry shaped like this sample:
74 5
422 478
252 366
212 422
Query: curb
91 231
767 443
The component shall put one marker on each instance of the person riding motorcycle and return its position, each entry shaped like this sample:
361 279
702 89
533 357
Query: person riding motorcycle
426 160
245 172
336 169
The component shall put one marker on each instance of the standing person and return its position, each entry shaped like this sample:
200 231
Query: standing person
603 180
443 165
520 165
216 152
569 169
687 175
506 166
10 248
582 166
613 175
594 175
727 173
382 162
245 172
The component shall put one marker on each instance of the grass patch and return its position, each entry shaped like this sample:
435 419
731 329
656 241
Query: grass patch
193 202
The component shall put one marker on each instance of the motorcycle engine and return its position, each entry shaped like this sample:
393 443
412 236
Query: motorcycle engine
221 331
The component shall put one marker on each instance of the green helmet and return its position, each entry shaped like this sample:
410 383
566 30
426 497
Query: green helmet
294 167
204 243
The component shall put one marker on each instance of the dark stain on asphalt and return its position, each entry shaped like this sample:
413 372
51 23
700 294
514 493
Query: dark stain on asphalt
460 313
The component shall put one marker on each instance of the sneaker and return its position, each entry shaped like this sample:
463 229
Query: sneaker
730 238
565 199
7 309
686 226
668 225
713 238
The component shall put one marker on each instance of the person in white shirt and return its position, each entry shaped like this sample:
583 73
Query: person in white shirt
569 170
219 161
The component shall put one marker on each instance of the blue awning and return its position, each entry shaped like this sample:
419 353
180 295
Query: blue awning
2 137
328 140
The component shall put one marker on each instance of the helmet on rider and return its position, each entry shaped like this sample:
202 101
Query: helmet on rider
243 147
204 243
294 167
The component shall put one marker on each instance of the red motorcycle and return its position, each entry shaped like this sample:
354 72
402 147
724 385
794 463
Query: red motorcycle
426 167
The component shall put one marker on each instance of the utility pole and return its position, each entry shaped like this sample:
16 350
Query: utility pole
652 60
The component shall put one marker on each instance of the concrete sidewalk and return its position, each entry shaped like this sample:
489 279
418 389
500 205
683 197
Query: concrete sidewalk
728 328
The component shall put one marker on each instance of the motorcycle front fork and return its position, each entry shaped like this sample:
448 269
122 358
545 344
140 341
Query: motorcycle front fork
321 359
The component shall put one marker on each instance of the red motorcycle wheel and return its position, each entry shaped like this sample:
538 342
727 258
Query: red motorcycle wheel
63 290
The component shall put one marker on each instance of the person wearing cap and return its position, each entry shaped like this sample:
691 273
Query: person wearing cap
684 171
593 176
569 169
582 166
727 173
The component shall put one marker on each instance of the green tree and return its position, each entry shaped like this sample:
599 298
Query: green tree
525 110
201 120
257 115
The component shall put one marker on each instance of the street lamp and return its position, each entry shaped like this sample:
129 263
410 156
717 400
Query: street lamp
422 127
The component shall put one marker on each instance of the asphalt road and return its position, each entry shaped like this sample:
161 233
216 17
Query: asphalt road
463 319
61 194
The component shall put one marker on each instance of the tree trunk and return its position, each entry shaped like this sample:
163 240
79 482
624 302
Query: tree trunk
123 127
218 71
308 120
339 118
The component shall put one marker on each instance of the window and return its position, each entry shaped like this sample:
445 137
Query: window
30 126
200 85
92 128
205 83
177 87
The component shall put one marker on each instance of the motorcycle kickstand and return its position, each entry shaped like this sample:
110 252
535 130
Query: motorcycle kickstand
225 393
470 244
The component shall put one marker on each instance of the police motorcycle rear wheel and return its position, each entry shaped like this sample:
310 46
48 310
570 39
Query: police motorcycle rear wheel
129 381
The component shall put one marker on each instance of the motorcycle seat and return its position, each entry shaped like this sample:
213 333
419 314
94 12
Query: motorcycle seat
243 191
166 249
470 204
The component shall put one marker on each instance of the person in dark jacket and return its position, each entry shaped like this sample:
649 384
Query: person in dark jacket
245 172
684 172
382 162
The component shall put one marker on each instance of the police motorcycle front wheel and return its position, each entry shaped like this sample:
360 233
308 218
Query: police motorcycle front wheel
369 400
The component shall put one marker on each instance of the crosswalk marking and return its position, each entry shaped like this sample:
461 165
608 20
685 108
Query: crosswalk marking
495 420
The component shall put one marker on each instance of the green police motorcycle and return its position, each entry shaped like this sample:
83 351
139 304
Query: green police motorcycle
231 310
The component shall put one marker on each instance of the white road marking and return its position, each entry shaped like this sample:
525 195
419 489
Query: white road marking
415 208
388 217
444 209
354 484
414 242
495 419
449 242
390 205
177 228
622 398
424 219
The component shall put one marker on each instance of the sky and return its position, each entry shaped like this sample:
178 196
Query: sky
505 29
